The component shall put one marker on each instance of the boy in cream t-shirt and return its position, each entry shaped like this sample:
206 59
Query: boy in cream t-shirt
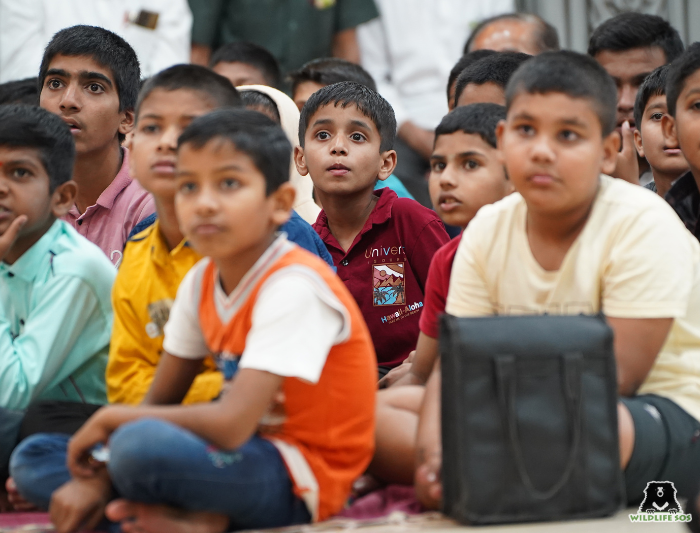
574 241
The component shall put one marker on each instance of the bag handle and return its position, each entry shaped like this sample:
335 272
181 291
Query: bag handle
505 375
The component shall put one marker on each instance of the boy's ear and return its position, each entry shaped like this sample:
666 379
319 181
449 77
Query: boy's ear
127 123
389 159
500 128
300 161
638 143
63 198
282 203
668 128
611 147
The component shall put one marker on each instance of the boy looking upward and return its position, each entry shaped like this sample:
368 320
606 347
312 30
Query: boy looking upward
680 129
582 242
667 163
55 314
381 244
629 47
90 78
295 425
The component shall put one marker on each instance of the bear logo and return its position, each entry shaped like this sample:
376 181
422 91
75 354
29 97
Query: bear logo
660 497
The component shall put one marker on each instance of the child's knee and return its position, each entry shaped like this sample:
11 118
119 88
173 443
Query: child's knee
136 448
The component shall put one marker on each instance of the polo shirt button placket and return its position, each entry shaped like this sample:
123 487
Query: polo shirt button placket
344 262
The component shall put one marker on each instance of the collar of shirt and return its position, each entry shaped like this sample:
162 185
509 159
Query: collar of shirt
106 200
684 197
159 248
28 266
379 215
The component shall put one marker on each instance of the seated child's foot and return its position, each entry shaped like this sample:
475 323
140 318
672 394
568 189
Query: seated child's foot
140 517
365 484
428 486
15 500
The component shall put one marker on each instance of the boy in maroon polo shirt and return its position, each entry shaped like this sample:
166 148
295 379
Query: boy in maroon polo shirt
381 244
466 174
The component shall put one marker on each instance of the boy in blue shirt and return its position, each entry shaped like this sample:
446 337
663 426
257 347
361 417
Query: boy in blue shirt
55 312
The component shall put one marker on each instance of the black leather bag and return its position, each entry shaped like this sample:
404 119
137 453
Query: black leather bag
529 419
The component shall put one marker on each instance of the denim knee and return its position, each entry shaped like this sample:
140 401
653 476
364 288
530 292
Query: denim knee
38 466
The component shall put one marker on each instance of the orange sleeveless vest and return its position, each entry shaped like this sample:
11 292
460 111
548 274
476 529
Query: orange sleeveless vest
324 431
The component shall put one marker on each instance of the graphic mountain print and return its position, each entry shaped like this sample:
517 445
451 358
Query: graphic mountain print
389 284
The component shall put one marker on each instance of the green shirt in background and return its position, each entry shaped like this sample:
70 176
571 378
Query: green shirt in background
55 321
295 31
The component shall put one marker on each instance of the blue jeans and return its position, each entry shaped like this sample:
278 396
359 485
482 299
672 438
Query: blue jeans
156 462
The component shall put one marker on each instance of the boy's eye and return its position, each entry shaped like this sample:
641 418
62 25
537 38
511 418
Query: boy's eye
149 128
656 116
20 173
438 166
95 88
323 135
53 84
568 135
230 184
187 187
696 105
357 137
471 164
525 129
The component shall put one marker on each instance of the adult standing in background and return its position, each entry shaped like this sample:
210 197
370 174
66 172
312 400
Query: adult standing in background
514 32
158 30
409 51
295 31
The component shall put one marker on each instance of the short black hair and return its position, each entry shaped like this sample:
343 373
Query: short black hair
680 70
478 119
636 30
19 92
251 54
465 61
24 126
193 78
105 48
654 85
330 70
369 102
573 74
250 132
495 68
547 36
259 101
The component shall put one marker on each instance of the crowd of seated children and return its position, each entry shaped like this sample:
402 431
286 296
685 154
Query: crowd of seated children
245 63
629 47
485 80
55 312
280 107
294 426
381 244
666 163
466 174
680 131
90 78
573 241
317 74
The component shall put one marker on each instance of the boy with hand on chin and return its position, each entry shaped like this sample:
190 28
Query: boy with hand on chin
55 313
90 78
576 241
295 425
381 244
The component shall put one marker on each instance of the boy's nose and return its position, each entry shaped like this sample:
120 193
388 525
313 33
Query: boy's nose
70 98
168 141
448 180
542 149
338 146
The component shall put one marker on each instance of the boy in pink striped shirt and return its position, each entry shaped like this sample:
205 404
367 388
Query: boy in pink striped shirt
90 78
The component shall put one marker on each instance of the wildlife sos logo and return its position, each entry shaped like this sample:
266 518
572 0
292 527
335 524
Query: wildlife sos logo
660 504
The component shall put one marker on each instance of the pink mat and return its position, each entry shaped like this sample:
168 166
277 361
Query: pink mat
383 502
24 521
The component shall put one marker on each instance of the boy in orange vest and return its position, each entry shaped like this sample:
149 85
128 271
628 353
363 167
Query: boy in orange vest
295 425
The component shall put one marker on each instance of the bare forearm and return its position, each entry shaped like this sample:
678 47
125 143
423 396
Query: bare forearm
345 46
428 437
172 380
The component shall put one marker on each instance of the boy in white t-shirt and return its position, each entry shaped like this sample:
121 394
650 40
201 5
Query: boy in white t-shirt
574 241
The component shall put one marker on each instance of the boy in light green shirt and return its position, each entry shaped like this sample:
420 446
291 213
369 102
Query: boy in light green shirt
55 312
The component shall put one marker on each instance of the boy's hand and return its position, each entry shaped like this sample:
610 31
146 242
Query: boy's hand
8 238
627 166
428 482
80 503
396 374
95 431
